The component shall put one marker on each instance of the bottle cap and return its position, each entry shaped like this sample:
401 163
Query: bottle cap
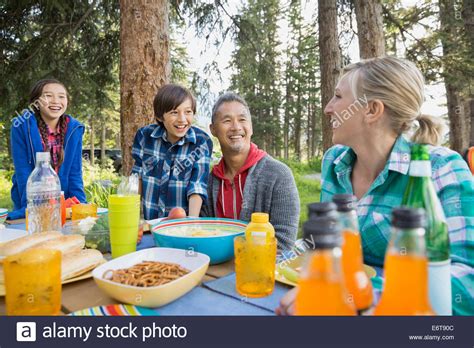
420 152
344 202
43 156
405 217
321 209
260 217
323 232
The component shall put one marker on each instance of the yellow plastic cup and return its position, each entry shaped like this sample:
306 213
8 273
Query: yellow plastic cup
255 266
124 215
33 282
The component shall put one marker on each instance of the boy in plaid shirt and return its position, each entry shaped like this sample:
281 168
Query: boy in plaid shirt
172 157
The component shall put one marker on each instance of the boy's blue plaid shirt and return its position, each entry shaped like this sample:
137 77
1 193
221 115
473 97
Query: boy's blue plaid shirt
455 188
170 173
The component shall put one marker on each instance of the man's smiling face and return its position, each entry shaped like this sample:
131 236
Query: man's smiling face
233 127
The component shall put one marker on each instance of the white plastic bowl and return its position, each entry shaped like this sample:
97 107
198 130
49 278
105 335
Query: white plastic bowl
155 296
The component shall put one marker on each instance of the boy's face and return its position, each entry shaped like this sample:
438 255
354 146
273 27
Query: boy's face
178 121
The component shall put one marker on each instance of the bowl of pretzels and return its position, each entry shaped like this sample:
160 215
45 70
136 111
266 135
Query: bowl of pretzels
151 277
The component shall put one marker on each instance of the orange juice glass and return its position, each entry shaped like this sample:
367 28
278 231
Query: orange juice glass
33 282
255 266
83 210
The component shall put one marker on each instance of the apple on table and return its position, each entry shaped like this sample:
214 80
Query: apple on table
175 213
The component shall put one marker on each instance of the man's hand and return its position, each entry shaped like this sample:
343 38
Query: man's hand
287 303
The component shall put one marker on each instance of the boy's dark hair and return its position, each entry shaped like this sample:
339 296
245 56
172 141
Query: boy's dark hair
168 98
227 98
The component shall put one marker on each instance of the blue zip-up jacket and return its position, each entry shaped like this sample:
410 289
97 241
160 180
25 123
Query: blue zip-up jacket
26 142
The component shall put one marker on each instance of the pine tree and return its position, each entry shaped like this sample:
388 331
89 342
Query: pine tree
257 71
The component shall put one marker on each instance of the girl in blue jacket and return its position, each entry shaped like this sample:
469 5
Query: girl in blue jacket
44 126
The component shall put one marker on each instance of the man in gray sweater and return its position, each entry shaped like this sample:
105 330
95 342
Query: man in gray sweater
247 179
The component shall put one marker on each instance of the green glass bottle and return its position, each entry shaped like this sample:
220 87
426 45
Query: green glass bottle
420 193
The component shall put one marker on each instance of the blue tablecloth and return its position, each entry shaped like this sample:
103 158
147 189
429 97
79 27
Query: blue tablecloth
219 297
226 286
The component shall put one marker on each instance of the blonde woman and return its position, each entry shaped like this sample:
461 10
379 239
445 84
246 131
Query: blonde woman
376 102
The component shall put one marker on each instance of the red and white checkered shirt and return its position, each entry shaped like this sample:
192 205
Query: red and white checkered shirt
54 145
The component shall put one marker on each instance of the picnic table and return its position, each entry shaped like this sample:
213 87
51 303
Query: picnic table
215 295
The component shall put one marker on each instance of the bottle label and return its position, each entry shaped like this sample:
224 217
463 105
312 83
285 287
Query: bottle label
439 277
259 237
420 168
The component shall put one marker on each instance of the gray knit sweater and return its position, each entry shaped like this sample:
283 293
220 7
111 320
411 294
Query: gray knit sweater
269 188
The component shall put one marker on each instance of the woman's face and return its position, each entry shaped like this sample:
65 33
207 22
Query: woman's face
178 121
53 101
346 114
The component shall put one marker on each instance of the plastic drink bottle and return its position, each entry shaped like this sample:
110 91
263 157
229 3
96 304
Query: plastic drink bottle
406 267
357 282
43 192
420 193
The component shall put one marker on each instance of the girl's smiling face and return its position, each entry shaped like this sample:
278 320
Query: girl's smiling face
53 101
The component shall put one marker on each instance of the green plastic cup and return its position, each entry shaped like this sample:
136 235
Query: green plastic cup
124 216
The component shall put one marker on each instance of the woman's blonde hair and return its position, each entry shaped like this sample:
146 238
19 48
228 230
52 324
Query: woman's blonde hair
399 85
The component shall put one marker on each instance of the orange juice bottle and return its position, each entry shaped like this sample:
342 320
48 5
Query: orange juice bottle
260 229
406 267
358 283
321 288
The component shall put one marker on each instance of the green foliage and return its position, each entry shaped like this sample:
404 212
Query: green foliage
302 114
257 70
5 187
302 168
92 173
99 182
309 191
98 194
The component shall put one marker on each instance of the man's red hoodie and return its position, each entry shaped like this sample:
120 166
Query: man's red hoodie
229 202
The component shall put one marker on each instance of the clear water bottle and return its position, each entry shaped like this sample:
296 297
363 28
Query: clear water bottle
43 192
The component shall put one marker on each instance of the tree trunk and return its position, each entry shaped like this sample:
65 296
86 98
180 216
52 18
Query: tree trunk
458 120
469 109
103 137
298 126
468 18
144 66
330 61
369 28
92 140
286 122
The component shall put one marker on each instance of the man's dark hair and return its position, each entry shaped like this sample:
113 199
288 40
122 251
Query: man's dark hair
168 98
227 98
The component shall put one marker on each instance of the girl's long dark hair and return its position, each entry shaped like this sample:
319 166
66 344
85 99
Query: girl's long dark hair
34 99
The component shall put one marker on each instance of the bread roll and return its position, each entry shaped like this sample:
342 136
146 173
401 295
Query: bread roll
65 244
26 242
74 264
80 262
